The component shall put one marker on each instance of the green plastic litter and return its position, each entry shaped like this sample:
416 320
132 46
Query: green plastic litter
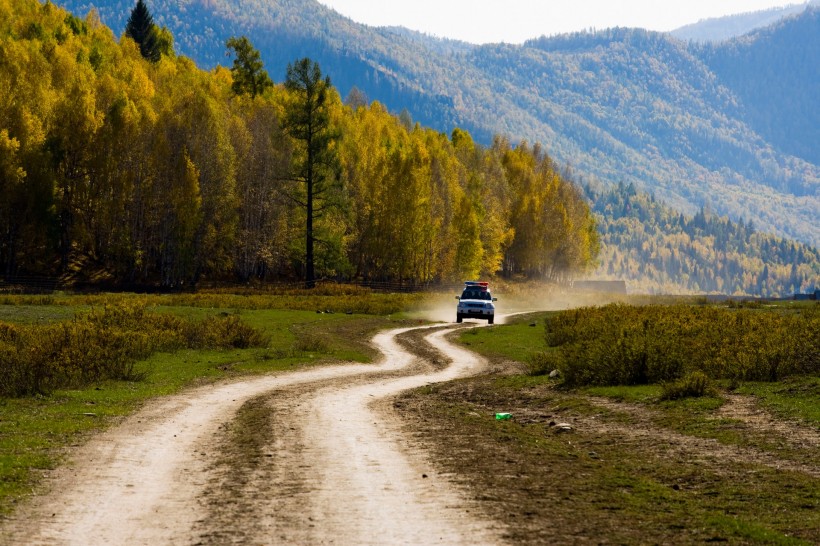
503 416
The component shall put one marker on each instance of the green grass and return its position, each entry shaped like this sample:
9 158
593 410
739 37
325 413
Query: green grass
794 397
589 482
520 339
35 314
34 431
630 393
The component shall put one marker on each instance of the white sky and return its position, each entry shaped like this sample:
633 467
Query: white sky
513 21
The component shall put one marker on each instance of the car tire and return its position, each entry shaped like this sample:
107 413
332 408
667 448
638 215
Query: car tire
459 318
490 320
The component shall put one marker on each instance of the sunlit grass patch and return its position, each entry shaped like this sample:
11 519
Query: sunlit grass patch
794 397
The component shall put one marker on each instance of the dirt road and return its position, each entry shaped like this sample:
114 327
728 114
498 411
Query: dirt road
312 457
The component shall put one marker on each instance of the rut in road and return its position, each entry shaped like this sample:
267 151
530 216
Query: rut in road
336 469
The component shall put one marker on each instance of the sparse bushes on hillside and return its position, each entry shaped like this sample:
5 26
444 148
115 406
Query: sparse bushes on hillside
626 345
105 344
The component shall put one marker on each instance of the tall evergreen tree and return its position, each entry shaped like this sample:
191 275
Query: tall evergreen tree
316 165
141 29
249 76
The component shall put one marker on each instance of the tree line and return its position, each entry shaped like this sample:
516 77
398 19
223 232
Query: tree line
662 250
132 162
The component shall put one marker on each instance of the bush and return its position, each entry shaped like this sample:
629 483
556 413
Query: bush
542 363
629 345
692 385
105 344
227 331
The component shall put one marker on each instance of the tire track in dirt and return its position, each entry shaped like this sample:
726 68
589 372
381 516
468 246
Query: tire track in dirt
746 409
709 450
351 480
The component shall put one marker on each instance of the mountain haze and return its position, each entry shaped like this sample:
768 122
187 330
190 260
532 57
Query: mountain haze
730 126
717 29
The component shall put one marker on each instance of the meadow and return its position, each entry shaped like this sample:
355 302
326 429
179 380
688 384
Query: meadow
681 464
590 454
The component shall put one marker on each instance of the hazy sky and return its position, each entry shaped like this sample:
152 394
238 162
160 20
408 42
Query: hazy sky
513 21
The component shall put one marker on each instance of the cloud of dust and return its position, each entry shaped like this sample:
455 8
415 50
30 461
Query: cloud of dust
439 307
514 299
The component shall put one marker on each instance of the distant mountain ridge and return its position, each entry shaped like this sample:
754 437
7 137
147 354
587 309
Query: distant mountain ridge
717 29
731 126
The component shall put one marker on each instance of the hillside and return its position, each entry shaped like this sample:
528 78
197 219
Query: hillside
621 105
777 85
658 250
717 29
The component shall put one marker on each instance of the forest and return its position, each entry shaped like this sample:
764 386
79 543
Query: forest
152 171
730 126
660 250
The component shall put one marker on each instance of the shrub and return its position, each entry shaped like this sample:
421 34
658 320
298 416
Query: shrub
630 345
223 332
105 343
692 385
542 363
307 343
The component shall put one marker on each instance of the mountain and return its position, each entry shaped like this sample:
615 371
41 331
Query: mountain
718 29
658 250
777 83
728 126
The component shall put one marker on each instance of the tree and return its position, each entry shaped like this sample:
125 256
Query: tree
249 76
315 163
141 29
264 226
12 178
356 99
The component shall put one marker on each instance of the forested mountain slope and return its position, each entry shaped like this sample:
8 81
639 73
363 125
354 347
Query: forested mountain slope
777 85
618 105
657 249
717 29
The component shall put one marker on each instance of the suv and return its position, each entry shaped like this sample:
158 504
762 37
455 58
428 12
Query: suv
476 302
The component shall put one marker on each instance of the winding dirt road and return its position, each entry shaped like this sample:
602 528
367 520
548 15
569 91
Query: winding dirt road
322 462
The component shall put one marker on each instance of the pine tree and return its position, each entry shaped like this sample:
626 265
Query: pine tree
141 29
249 76
307 121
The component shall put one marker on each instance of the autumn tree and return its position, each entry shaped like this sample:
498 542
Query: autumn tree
12 177
249 76
163 173
315 165
266 224
140 28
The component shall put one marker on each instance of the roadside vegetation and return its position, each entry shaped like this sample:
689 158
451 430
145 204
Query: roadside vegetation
634 345
74 364
700 453
121 162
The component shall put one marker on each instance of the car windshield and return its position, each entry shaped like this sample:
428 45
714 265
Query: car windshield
476 295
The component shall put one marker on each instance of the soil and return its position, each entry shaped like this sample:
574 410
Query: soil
565 469
406 451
